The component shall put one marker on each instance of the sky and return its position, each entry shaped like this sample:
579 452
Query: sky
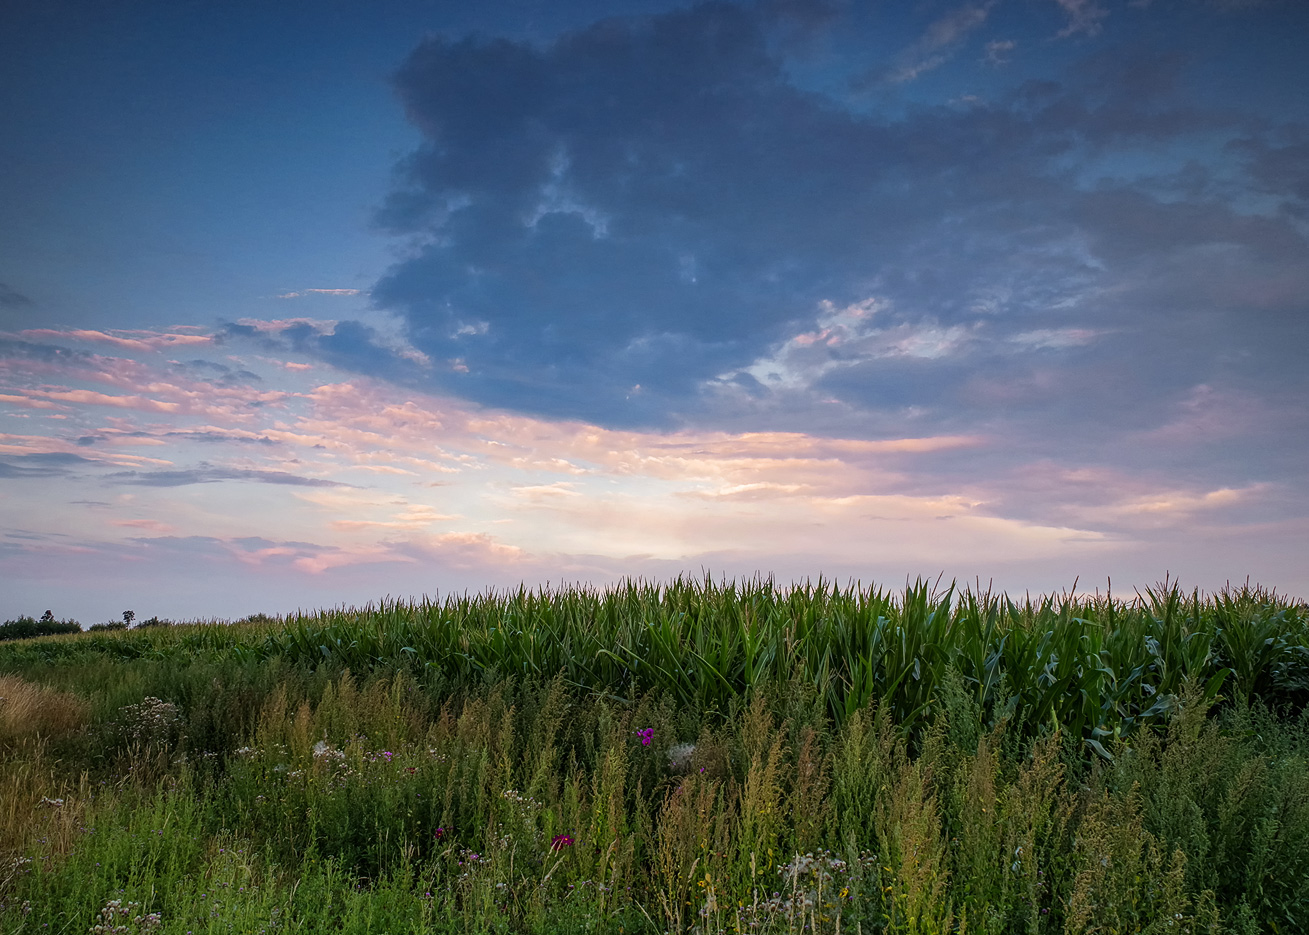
307 304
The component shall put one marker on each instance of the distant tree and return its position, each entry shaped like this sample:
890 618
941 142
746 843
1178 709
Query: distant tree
111 625
154 622
27 627
129 616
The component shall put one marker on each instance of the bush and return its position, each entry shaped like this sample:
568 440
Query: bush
27 627
258 618
111 625
154 622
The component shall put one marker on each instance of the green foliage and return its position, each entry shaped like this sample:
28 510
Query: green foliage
935 764
110 625
27 627
154 622
1093 667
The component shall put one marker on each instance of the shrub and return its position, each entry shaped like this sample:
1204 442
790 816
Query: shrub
27 627
110 625
154 622
258 618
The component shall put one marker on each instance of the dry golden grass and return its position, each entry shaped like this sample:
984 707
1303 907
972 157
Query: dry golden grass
40 804
38 801
27 709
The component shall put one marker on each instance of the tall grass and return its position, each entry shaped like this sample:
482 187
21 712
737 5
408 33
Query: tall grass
703 758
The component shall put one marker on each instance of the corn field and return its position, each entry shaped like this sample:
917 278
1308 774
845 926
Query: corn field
1092 667
692 756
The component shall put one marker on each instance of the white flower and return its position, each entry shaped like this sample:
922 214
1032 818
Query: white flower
679 756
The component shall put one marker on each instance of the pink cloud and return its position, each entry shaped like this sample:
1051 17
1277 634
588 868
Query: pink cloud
362 422
90 398
275 325
414 516
27 402
44 444
144 340
148 525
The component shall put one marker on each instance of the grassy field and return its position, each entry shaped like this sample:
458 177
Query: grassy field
683 757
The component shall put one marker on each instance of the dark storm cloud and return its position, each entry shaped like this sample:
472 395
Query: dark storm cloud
606 225
210 475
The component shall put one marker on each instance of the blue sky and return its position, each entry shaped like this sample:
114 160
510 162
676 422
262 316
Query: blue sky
303 304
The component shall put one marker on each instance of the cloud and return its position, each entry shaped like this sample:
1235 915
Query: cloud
11 471
147 525
304 292
220 436
93 398
1280 167
941 40
11 298
998 51
667 287
11 349
631 224
352 344
446 551
26 402
126 340
209 370
1085 17
63 451
41 464
210 475
1054 337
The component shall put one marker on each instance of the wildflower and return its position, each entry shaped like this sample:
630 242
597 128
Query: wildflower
679 756
560 841
438 834
323 748
646 736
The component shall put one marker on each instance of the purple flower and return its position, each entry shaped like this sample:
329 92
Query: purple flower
561 841
646 736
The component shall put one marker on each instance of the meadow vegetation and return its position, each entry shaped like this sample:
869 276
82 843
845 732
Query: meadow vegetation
685 757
